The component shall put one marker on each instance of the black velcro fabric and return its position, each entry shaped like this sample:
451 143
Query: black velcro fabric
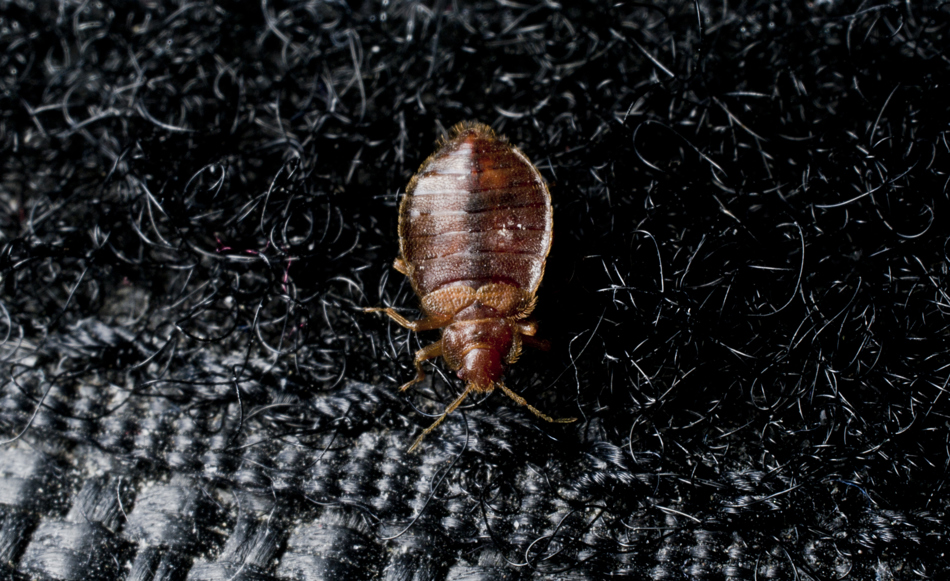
746 299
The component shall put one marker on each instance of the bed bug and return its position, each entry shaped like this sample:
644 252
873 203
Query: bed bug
475 228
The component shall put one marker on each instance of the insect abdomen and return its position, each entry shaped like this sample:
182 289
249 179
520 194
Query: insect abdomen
477 212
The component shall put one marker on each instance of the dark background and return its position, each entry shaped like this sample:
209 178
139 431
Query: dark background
746 297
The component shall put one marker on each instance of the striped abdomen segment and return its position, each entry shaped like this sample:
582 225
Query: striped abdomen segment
477 212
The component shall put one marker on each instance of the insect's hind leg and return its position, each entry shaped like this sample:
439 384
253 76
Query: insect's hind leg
427 352
533 409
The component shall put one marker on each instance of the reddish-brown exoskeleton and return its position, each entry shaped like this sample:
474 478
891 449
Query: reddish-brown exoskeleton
474 232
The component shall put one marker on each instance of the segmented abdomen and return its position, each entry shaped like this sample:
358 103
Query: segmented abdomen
477 212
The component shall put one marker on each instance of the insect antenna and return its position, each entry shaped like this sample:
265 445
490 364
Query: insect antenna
533 409
448 410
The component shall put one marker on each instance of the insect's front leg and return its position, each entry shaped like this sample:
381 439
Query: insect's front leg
427 352
426 324
528 329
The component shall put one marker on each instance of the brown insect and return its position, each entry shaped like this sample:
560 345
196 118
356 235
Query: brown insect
474 232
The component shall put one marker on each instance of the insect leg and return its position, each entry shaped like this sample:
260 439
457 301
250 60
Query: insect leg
426 324
427 352
535 342
533 409
435 424
528 328
401 266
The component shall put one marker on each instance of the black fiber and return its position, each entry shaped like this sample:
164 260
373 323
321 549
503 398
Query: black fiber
746 298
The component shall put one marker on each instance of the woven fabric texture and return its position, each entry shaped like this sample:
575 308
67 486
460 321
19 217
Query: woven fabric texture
746 297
